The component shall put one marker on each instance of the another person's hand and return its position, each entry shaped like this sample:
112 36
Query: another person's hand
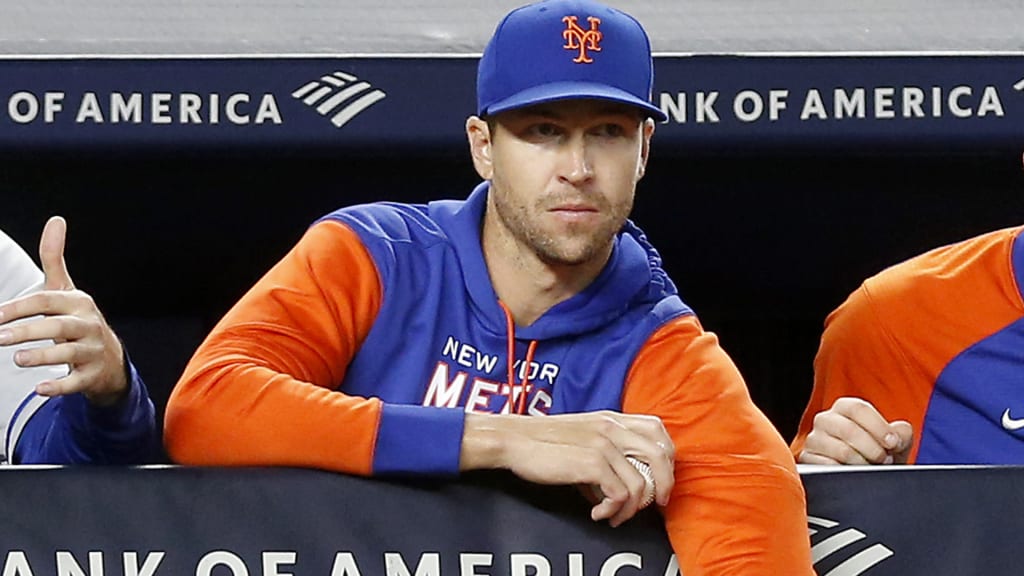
581 449
854 432
69 318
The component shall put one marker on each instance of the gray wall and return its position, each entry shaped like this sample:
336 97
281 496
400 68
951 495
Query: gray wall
190 27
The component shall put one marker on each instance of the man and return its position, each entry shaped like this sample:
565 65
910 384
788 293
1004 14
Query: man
922 364
529 327
68 394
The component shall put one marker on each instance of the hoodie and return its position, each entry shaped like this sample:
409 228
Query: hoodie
362 350
453 351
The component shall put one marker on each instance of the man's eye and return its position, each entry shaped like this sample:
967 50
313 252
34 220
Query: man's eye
544 130
611 130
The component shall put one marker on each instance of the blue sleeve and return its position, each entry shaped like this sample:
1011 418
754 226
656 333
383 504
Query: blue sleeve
70 430
401 449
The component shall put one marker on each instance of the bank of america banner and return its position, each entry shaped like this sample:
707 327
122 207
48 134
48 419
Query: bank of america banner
955 101
915 520
284 522
108 521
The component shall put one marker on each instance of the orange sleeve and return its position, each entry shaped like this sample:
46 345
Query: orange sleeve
261 389
738 505
890 340
858 357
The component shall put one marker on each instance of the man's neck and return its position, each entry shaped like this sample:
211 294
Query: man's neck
528 285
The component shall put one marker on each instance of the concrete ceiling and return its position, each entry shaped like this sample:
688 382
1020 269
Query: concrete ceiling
345 27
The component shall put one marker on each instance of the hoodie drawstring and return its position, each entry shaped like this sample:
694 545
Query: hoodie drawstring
511 333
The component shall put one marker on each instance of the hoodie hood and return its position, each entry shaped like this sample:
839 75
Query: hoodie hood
632 277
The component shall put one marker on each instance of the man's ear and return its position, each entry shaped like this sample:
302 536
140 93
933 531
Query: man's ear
479 135
645 147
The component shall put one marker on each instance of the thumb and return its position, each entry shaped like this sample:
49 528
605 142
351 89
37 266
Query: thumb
905 432
51 255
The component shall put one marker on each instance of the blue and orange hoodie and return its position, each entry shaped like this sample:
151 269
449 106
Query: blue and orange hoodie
362 350
937 340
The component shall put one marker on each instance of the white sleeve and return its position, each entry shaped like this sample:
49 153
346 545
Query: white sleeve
19 276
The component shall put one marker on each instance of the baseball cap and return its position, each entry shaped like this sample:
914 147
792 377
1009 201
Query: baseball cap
566 49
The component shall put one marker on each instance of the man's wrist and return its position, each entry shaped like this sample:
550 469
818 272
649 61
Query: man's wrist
483 442
122 381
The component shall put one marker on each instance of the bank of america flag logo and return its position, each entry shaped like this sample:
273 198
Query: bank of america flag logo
339 96
839 551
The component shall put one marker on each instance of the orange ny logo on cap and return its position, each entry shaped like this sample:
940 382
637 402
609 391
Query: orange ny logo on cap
577 38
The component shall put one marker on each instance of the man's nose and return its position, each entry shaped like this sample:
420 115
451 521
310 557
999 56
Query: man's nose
577 163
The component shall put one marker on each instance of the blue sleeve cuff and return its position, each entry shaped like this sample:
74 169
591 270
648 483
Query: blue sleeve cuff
131 412
69 430
418 440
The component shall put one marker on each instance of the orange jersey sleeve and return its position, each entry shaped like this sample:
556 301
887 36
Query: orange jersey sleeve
890 340
260 390
738 505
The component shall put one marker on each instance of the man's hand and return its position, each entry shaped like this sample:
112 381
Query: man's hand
81 337
581 449
853 432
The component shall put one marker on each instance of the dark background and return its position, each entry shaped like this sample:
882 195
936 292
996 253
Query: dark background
762 244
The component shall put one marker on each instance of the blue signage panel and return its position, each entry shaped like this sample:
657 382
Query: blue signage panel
289 522
350 102
96 520
731 101
842 100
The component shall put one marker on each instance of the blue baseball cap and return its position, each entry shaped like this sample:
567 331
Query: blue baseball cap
562 50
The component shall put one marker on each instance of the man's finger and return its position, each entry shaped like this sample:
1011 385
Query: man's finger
662 468
807 457
645 438
662 493
57 328
48 303
841 449
69 384
867 417
66 353
905 432
626 476
613 491
604 509
51 255
848 436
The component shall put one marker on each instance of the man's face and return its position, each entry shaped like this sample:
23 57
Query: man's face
563 175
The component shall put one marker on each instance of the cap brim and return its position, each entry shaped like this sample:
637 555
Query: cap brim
558 91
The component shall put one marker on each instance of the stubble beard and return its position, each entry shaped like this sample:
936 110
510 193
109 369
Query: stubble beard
572 245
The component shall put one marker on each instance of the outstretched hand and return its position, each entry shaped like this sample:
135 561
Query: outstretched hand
582 449
69 318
